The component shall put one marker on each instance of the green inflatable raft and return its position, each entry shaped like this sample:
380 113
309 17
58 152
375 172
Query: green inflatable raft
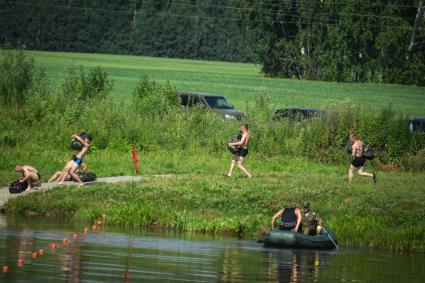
287 239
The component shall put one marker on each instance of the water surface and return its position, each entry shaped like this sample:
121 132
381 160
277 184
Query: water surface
133 255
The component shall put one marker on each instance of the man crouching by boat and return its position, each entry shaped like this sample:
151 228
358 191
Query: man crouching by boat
290 218
310 220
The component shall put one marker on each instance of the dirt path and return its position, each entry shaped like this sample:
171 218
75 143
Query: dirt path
5 195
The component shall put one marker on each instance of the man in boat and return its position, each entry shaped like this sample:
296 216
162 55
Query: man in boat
290 218
310 220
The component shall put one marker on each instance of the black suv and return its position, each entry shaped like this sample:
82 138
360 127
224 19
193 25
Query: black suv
211 101
297 114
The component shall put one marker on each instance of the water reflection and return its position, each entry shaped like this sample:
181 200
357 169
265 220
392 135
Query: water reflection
291 266
123 255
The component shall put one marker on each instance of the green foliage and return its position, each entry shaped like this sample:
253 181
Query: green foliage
151 98
81 87
351 41
179 28
414 162
154 121
20 78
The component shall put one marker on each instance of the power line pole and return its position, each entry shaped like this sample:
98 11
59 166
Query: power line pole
415 26
134 14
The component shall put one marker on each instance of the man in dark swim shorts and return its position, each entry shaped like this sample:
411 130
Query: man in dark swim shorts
358 161
72 166
242 152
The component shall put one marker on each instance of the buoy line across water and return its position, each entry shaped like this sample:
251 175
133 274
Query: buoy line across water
53 247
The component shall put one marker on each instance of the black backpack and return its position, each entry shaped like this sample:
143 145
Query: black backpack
369 153
76 145
235 138
87 176
18 187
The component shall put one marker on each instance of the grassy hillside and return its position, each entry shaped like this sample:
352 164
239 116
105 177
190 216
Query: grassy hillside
240 83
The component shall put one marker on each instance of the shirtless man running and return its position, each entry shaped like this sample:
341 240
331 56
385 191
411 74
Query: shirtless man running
242 152
358 161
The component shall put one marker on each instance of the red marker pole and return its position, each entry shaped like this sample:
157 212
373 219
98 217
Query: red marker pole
135 158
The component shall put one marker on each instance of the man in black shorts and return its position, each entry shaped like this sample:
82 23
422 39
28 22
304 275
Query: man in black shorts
242 152
358 161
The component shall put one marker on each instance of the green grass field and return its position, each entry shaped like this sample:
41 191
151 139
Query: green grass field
239 82
190 145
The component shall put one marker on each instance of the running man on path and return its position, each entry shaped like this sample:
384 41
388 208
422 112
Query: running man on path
358 161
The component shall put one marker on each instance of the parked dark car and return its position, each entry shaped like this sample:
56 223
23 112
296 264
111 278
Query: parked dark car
211 101
417 125
297 114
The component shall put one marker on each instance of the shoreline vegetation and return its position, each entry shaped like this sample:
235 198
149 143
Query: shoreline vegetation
385 215
291 161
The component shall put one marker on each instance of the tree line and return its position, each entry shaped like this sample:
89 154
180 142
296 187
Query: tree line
182 29
339 40
335 40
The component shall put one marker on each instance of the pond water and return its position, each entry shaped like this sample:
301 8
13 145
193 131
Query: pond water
132 255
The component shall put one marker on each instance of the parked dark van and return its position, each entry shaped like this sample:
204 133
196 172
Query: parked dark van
417 125
297 114
211 101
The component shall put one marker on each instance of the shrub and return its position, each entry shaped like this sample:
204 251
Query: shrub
150 98
81 87
19 77
414 162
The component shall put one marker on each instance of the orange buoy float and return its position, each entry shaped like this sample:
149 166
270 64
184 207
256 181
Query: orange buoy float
34 255
5 269
20 262
41 252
